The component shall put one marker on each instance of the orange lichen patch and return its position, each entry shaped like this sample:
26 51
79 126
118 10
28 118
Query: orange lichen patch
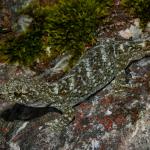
106 122
119 120
106 101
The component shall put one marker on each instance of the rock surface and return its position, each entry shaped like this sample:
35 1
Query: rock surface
103 122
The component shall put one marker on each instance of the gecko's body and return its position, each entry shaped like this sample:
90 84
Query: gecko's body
94 71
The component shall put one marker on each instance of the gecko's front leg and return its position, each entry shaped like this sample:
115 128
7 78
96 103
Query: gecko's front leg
120 84
128 53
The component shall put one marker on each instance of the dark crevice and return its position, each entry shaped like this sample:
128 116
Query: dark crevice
26 113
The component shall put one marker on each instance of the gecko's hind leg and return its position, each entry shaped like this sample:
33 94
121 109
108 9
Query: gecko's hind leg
64 120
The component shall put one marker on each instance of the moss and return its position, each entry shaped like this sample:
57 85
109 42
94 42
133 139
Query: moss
139 8
74 23
65 26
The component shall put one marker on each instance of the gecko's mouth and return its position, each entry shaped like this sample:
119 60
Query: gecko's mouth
26 113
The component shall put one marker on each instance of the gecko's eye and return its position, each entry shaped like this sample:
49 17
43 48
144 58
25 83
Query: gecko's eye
17 94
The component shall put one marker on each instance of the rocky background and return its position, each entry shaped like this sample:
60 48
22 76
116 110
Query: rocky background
103 122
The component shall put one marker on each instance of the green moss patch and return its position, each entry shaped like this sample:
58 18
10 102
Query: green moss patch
65 27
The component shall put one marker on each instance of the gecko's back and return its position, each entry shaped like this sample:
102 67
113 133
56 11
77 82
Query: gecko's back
96 68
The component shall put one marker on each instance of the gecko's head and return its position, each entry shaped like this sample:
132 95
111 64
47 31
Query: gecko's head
12 90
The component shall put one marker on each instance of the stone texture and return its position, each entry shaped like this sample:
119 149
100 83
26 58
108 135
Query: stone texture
103 122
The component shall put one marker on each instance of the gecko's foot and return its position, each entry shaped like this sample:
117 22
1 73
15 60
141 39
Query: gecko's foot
120 87
123 89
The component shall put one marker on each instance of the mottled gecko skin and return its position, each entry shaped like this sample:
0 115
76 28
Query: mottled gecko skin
99 66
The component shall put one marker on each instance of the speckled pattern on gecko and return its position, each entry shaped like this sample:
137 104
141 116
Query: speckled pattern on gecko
96 68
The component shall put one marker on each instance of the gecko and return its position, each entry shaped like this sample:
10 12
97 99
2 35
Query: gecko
100 65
